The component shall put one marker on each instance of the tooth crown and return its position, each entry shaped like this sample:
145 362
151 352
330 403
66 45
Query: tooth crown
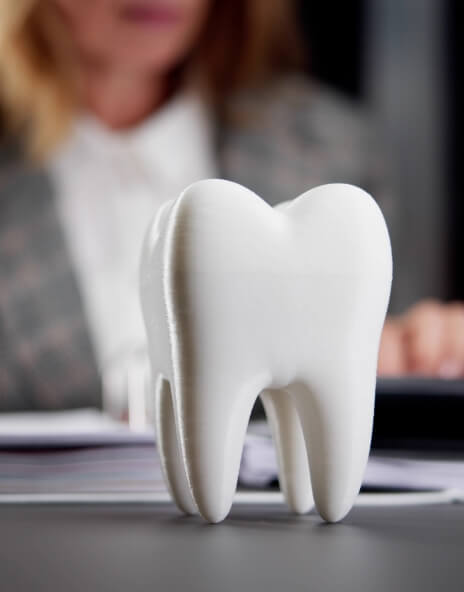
241 299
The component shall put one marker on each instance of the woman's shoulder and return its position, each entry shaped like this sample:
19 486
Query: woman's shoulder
27 213
301 104
24 185
293 134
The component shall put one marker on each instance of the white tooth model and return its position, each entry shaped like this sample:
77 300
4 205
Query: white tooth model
241 299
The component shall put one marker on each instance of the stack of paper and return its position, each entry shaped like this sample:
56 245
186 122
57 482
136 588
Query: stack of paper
389 470
80 451
86 452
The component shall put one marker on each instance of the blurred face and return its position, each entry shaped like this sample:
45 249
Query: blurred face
143 35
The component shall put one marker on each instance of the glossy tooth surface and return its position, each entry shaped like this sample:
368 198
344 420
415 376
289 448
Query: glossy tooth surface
241 299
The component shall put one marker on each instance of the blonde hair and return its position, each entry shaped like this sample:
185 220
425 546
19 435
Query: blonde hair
37 95
244 42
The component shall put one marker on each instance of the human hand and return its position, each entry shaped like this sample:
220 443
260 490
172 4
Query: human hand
427 340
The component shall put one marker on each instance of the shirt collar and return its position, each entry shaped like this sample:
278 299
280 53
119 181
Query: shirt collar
182 126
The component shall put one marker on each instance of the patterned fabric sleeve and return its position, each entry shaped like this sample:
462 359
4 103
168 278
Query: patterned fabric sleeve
12 396
46 360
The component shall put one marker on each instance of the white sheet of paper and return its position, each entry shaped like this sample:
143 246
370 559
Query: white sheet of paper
84 427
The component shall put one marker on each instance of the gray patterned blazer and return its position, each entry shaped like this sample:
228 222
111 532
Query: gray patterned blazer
282 141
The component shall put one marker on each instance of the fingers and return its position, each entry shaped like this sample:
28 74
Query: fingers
452 363
392 358
427 340
433 339
424 338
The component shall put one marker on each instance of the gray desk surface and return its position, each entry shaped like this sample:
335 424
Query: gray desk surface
151 547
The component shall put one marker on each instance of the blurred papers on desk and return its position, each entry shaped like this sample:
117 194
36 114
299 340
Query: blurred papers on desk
385 469
86 452
82 451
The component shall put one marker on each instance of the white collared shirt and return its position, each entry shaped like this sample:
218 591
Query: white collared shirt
109 185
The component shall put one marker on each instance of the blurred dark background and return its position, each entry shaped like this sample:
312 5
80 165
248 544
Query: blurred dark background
455 131
404 61
336 45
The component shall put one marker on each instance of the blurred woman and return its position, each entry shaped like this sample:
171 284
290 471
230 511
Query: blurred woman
110 108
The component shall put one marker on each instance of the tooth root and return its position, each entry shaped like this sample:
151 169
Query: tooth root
336 418
288 436
171 459
213 422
